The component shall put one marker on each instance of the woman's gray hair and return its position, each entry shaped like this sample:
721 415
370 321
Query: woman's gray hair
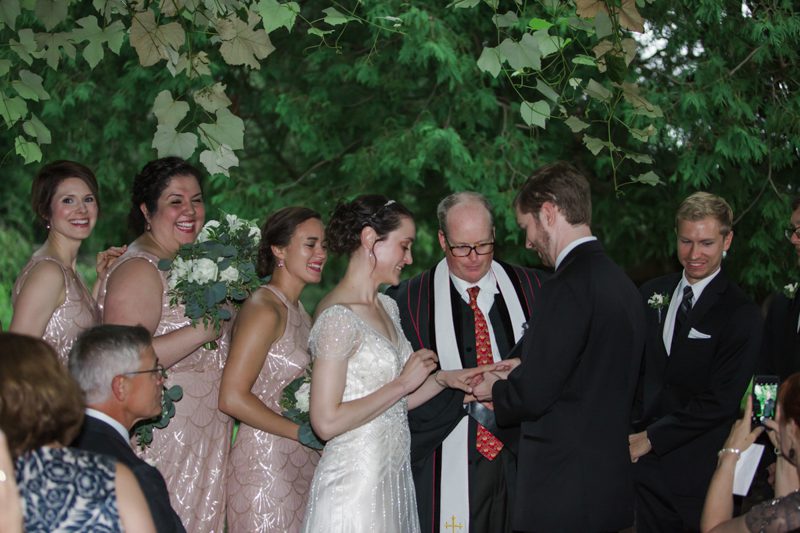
102 352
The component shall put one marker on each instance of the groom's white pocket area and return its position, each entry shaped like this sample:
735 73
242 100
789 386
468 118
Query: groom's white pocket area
694 334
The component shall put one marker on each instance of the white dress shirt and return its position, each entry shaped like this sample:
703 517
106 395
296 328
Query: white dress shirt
675 302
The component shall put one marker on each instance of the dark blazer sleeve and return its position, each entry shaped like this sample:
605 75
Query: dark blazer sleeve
734 359
530 389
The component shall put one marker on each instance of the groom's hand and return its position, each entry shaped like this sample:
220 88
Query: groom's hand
483 390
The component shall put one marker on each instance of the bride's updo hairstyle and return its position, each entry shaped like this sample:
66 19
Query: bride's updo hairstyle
343 233
151 182
278 231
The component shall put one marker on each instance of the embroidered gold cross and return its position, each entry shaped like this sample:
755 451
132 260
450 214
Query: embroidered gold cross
453 525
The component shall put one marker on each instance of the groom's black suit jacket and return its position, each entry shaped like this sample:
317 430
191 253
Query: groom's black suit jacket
690 398
572 395
433 421
99 437
780 351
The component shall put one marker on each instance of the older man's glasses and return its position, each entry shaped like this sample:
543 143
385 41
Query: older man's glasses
788 232
159 371
463 250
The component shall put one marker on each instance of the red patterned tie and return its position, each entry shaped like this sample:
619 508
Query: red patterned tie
487 444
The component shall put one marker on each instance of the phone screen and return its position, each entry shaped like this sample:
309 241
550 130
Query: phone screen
765 398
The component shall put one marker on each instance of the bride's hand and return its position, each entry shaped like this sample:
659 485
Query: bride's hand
462 379
417 369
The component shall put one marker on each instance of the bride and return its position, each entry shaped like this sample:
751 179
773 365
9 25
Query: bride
366 377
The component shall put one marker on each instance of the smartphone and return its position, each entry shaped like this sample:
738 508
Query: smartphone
765 398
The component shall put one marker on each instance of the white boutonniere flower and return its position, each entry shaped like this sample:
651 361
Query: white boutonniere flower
658 301
790 289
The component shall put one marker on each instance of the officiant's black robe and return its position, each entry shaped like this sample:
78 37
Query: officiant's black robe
433 421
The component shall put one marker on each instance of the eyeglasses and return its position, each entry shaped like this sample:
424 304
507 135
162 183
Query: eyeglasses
162 372
788 232
463 250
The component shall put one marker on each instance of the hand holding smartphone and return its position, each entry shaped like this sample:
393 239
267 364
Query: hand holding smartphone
765 398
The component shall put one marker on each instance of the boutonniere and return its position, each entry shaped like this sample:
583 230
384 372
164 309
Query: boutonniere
658 301
790 289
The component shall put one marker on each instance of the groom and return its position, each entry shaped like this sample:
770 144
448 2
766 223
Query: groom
573 389
471 310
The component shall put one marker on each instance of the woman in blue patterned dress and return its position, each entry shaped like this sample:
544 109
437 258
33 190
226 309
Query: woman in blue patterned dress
62 489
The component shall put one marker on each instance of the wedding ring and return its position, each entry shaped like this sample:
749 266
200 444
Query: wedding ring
3 476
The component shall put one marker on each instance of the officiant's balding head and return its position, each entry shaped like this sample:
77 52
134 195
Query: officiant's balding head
466 235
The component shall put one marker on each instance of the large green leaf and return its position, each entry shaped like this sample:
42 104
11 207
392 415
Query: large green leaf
12 109
153 42
50 12
29 86
29 151
228 130
167 141
169 112
212 98
535 114
275 15
489 61
9 11
241 43
36 129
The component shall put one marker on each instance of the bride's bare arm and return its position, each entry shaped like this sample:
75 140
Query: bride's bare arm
133 296
330 416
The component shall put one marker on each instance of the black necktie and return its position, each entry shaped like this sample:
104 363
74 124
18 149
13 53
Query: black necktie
683 311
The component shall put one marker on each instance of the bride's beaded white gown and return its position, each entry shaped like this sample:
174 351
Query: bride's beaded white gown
363 480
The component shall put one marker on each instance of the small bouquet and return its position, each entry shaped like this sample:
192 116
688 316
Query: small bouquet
143 431
215 270
295 402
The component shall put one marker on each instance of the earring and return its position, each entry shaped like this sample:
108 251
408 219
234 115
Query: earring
724 254
47 225
280 263
147 226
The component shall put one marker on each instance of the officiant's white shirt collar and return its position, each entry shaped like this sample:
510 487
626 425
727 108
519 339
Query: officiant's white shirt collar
571 246
487 284
94 413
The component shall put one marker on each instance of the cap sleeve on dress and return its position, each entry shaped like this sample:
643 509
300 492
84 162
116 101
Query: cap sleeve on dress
335 335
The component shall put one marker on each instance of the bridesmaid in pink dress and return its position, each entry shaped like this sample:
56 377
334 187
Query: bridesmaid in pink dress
270 471
191 452
50 299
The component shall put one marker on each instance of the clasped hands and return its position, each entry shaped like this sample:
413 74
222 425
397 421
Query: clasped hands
482 379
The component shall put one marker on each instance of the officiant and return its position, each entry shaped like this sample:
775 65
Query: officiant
471 310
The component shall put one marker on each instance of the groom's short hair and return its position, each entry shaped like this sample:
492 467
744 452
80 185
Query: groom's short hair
561 184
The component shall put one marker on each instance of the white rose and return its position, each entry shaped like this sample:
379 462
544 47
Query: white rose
205 233
302 396
234 222
203 271
229 275
254 234
178 271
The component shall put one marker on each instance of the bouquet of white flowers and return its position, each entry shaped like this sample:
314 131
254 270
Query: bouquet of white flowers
215 270
295 402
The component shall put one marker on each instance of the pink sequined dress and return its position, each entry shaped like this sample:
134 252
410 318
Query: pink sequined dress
192 451
269 476
77 313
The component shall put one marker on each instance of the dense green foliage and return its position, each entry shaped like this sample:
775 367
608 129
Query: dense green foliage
395 102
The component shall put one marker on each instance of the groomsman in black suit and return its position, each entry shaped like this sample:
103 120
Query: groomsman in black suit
573 389
470 309
703 340
117 369
780 353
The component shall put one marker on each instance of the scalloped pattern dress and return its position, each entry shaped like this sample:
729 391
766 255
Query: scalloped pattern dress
192 451
363 480
66 490
77 314
269 476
